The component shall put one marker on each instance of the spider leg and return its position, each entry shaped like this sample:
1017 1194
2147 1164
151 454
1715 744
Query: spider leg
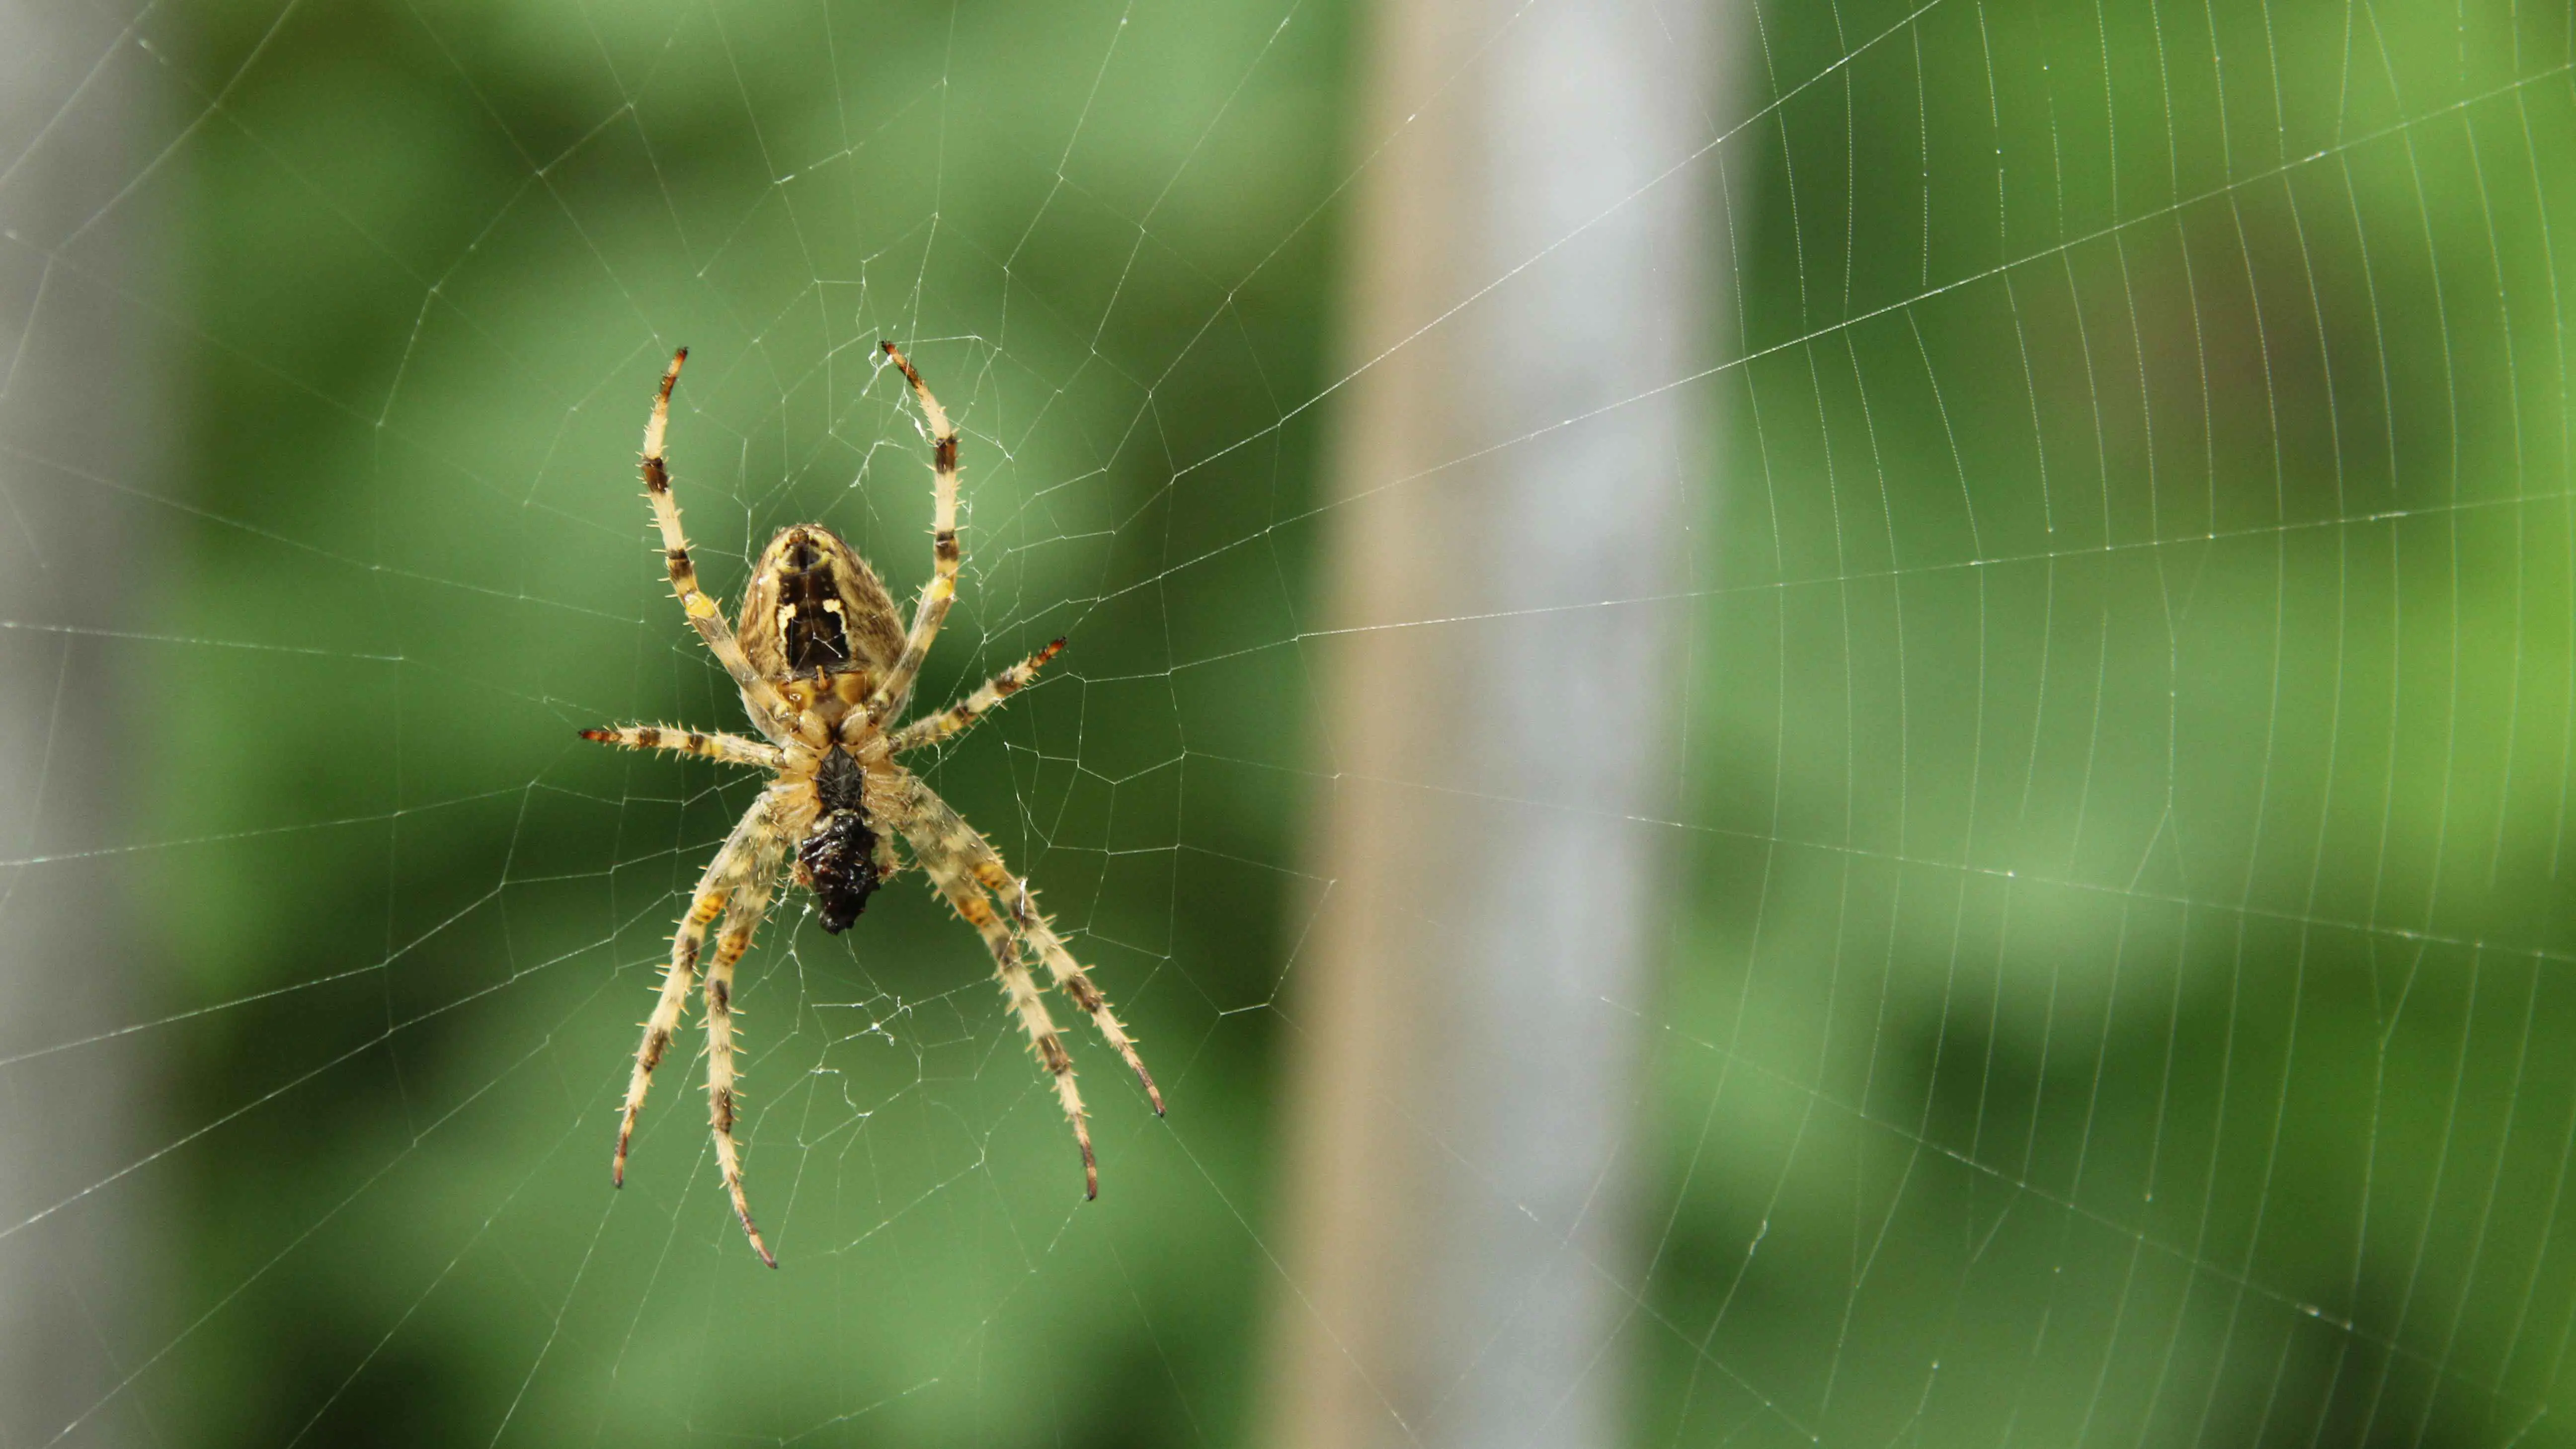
677 978
938 832
942 588
747 856
958 718
740 922
1066 972
768 708
729 749
958 885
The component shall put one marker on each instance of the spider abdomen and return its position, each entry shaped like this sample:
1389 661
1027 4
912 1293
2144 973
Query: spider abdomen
814 604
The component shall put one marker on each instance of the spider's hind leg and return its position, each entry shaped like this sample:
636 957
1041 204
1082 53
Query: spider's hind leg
944 553
759 695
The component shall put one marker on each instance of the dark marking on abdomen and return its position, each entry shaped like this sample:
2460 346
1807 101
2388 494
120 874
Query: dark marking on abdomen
809 598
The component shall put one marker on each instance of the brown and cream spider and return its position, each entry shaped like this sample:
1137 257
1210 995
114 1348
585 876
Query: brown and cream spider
824 668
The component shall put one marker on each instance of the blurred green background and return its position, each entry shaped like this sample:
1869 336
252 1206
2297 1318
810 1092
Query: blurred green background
438 256
2123 966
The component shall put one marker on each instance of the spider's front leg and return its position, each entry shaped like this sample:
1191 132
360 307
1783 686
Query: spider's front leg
964 866
940 833
1065 971
1022 992
736 885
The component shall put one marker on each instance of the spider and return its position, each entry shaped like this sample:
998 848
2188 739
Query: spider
825 668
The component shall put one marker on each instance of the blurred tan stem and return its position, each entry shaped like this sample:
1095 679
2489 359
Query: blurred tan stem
79 435
1528 270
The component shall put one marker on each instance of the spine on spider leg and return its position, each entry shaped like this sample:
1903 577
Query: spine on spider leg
657 478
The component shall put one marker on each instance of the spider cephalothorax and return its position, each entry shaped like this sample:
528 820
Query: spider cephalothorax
824 665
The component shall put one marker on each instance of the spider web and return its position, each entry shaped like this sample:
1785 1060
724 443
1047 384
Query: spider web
2117 990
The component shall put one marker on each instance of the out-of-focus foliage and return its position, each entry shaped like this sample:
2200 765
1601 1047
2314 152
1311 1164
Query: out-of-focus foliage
435 258
2131 974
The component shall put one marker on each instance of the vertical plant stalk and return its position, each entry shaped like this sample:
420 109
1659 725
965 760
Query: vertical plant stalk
1529 271
80 435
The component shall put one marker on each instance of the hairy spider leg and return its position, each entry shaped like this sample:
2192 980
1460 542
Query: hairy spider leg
958 884
735 865
960 717
942 588
939 831
740 922
728 749
1067 973
768 708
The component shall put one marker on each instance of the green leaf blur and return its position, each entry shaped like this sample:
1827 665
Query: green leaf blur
2130 969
